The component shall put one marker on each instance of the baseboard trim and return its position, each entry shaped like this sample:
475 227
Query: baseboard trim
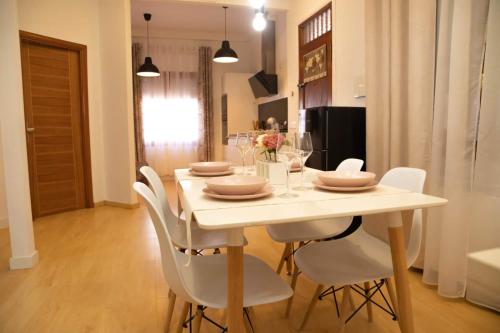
24 262
116 204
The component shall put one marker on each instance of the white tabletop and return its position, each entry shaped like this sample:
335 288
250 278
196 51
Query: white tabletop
309 205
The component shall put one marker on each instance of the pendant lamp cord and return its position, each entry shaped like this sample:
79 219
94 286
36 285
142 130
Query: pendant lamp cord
147 34
225 22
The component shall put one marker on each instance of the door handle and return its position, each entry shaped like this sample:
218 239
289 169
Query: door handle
30 129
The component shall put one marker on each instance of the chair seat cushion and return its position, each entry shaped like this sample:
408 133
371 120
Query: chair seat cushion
354 259
206 279
309 230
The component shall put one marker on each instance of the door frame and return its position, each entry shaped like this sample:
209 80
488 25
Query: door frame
30 37
303 48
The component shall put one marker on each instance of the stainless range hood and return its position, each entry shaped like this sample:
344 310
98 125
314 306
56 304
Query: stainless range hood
265 82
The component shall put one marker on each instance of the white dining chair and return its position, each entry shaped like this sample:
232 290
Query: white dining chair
201 239
204 280
291 233
361 258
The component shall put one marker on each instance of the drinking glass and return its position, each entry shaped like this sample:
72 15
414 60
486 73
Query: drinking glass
287 154
253 143
304 146
243 144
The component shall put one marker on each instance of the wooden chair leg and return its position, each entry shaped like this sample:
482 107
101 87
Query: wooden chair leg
289 259
246 321
351 302
223 319
344 309
369 308
295 276
282 260
314 300
170 309
182 318
253 318
197 320
392 296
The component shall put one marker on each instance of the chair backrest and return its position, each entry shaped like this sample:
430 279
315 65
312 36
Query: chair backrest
350 164
410 179
170 258
158 189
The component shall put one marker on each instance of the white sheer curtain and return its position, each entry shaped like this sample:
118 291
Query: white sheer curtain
170 107
425 109
400 44
488 138
460 49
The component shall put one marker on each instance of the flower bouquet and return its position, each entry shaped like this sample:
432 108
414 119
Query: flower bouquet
267 143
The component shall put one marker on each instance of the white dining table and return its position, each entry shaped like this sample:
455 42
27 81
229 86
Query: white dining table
313 204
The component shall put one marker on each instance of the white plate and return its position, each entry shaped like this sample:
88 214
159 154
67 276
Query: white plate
346 178
236 185
210 166
266 191
322 186
211 174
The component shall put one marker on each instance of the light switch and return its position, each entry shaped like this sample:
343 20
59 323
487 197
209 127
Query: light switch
359 87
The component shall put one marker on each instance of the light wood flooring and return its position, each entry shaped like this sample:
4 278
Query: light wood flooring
100 271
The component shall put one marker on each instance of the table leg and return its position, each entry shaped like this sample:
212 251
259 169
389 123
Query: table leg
235 281
235 289
400 266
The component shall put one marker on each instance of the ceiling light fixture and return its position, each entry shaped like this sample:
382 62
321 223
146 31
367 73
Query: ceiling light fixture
257 3
225 54
259 22
148 69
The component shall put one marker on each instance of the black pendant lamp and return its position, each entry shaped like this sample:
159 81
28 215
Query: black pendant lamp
225 54
148 69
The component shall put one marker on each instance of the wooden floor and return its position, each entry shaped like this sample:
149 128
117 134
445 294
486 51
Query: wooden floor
100 271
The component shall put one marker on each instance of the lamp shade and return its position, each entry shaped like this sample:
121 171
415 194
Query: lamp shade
225 54
148 69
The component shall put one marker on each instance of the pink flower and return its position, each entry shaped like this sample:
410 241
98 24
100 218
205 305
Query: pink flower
272 141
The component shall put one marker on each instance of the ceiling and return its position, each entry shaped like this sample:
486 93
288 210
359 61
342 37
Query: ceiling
186 16
194 17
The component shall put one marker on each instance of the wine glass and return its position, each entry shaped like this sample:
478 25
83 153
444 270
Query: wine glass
287 154
243 144
253 143
304 146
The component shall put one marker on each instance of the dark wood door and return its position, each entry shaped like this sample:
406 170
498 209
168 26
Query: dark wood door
314 33
53 105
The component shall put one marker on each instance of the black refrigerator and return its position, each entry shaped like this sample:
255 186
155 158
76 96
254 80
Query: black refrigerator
337 133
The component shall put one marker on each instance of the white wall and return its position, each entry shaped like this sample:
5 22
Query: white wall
4 221
348 55
104 27
348 52
117 101
75 21
241 103
14 151
243 45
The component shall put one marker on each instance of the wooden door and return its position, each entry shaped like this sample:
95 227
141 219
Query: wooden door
54 87
314 34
